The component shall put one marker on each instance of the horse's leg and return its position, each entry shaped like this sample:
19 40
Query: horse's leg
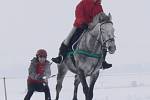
84 83
76 84
93 79
62 70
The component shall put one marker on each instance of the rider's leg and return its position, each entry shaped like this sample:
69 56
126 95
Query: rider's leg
62 54
67 43
64 47
105 65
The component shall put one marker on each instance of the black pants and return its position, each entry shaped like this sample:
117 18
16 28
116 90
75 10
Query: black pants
39 87
75 37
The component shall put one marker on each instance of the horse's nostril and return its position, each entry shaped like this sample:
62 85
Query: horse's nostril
109 48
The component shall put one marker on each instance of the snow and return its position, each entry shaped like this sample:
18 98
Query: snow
127 86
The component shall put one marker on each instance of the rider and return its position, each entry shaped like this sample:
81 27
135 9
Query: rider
39 72
85 13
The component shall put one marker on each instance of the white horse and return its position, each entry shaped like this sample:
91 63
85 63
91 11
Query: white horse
87 58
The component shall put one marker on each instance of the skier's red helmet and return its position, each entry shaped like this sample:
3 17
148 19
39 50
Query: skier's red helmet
41 53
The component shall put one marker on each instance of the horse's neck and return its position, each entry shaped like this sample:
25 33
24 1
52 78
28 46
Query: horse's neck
89 43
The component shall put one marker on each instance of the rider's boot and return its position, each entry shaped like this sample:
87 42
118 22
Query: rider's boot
62 54
105 65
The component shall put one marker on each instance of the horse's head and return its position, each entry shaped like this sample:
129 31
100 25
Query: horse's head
100 35
107 33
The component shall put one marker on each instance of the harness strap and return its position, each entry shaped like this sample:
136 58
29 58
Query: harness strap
86 53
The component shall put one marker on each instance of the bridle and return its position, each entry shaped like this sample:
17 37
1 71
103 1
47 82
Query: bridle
99 39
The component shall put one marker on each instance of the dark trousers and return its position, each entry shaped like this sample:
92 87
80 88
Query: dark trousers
39 87
64 49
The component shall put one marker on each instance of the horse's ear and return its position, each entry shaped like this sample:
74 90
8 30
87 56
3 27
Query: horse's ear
110 17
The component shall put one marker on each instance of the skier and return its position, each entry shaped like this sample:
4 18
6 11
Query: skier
39 72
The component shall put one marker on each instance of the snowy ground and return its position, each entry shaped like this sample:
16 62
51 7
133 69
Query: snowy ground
108 87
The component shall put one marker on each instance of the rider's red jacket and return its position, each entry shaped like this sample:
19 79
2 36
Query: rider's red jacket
85 11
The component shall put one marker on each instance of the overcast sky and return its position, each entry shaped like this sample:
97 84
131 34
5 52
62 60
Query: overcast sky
28 25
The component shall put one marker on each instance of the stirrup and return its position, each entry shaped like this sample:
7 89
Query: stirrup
62 59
